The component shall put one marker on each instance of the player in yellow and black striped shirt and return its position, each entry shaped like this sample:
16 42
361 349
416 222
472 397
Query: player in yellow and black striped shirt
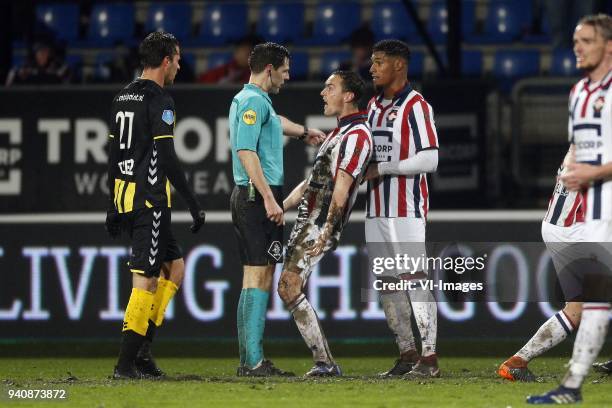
142 165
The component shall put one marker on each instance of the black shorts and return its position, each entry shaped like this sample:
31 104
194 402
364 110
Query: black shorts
152 240
259 239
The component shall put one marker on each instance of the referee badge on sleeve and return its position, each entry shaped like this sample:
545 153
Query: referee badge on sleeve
275 250
168 117
249 117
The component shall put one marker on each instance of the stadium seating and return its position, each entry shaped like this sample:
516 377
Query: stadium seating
101 69
563 63
416 64
281 22
299 65
111 23
171 17
437 24
471 63
217 58
511 65
391 20
188 58
331 60
505 21
60 19
335 21
75 62
223 22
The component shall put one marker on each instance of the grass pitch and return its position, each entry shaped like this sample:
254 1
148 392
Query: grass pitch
209 382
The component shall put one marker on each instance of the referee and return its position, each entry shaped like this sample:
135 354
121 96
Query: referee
256 135
142 165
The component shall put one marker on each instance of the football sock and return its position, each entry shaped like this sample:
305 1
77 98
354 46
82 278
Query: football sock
241 329
425 312
589 340
135 325
551 333
397 312
255 305
166 289
308 324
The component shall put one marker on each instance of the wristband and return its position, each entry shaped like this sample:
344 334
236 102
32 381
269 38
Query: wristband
305 134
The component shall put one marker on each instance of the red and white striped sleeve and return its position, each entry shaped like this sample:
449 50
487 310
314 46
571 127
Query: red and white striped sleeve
355 150
423 127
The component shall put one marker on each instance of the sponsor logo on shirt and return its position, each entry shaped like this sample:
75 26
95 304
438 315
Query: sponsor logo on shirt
168 117
249 117
599 104
130 97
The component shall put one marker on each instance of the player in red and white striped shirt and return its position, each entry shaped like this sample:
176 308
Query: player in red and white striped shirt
405 149
325 199
590 130
562 228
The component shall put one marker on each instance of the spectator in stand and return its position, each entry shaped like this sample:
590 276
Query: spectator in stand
43 65
236 71
361 41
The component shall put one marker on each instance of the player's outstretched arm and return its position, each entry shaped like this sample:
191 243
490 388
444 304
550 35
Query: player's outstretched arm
170 164
310 136
342 186
295 196
252 165
425 161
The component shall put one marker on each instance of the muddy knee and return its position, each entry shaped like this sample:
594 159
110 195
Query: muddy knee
289 287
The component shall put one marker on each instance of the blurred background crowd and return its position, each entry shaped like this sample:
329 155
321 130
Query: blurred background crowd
96 42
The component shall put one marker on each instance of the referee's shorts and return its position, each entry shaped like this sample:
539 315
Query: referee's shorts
259 239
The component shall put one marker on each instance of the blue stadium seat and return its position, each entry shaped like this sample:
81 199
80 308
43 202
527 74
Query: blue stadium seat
217 58
101 69
437 24
189 58
335 21
471 63
543 37
60 19
416 64
505 21
75 62
281 22
510 65
223 23
331 60
111 23
17 60
391 20
298 67
171 17
564 63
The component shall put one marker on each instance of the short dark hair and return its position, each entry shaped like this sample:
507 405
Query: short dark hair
267 53
352 82
395 48
155 47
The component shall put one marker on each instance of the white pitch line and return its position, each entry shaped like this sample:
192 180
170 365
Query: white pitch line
225 217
